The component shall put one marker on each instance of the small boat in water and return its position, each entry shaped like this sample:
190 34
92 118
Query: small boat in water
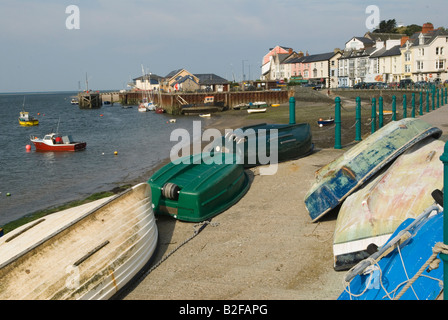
205 115
74 101
290 141
26 120
87 252
57 142
198 187
402 268
344 175
370 215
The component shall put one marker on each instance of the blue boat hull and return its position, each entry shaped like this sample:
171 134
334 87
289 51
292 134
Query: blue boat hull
341 177
414 252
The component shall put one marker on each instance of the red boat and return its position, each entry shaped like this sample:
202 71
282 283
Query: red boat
57 142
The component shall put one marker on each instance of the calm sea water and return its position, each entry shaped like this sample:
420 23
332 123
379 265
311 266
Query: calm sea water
39 180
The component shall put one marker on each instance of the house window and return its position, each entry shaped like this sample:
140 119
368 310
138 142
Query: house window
440 64
407 68
437 50
421 52
407 56
419 65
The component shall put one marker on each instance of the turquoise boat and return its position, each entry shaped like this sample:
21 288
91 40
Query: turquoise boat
198 187
255 144
341 177
402 268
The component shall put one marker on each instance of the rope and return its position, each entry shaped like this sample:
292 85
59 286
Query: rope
438 248
432 263
197 228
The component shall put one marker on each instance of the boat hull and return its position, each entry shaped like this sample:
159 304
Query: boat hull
373 213
390 273
293 141
199 190
28 123
88 252
341 177
42 146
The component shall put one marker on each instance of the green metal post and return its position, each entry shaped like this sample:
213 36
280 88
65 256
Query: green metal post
358 119
446 94
413 105
427 100
394 108
420 104
405 111
337 120
292 110
438 98
441 97
433 98
380 111
373 115
444 257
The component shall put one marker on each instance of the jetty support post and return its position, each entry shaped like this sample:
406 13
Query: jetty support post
292 110
358 119
373 115
405 107
444 257
337 121
380 112
394 108
413 105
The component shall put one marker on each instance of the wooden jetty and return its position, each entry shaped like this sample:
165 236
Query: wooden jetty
89 100
173 102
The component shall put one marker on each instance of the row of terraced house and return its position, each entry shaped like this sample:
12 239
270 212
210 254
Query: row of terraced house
374 57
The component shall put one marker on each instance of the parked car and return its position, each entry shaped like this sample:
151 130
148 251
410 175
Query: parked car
381 85
421 84
405 83
359 85
393 85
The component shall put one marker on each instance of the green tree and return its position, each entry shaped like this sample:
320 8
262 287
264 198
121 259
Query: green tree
388 26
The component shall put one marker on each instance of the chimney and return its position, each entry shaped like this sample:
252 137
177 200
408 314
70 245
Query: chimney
290 50
300 54
427 27
403 40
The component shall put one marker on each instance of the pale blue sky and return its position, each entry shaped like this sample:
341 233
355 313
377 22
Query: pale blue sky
38 52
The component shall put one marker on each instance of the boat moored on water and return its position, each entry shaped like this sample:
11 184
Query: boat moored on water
26 120
57 142
87 252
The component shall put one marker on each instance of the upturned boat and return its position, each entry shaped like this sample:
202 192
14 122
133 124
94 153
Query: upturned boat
253 143
370 215
344 175
57 142
404 268
88 252
198 187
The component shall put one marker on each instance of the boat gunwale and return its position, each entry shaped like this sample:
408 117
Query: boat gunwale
66 227
430 132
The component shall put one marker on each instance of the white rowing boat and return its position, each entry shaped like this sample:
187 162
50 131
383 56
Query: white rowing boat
87 252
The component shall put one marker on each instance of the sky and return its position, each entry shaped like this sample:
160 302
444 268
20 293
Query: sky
46 46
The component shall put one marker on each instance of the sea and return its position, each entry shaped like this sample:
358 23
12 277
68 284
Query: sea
123 146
